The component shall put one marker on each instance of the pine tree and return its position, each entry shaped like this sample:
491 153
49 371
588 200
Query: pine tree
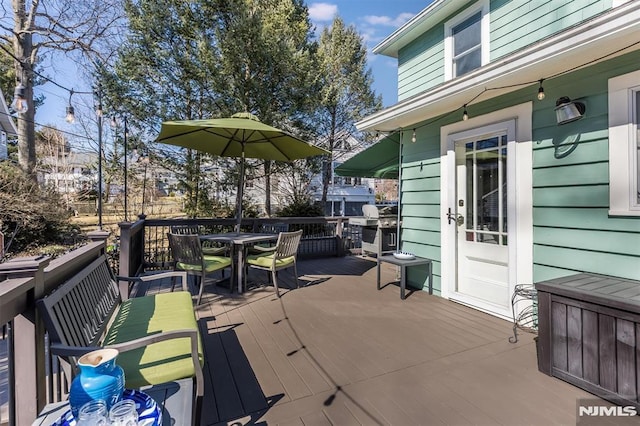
345 88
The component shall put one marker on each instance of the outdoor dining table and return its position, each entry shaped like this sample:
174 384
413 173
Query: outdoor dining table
239 240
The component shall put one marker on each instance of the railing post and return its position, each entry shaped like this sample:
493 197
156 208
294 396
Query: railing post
130 231
125 257
98 235
28 329
339 240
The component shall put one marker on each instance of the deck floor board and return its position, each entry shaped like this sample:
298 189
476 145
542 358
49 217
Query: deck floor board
338 351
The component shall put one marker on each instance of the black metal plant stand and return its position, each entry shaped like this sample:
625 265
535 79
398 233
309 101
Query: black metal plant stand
527 318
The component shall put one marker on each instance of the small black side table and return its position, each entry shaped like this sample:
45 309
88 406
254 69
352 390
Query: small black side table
404 263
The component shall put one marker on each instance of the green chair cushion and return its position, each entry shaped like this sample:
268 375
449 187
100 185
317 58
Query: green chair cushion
213 251
211 263
163 361
266 260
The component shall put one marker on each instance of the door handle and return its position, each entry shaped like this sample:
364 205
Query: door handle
450 216
458 218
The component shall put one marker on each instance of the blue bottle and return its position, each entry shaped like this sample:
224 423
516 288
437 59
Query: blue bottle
99 378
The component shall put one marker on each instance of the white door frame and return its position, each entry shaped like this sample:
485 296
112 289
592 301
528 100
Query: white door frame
521 208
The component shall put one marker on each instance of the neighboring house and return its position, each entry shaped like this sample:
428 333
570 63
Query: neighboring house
345 195
7 127
494 189
70 173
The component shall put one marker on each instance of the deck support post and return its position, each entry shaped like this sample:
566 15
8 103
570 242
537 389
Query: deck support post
28 332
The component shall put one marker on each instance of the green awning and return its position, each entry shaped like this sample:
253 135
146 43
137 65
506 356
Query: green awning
378 161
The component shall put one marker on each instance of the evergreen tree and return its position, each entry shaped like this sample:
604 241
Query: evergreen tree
168 69
206 59
266 57
345 89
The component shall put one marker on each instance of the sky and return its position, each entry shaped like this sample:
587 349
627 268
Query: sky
374 20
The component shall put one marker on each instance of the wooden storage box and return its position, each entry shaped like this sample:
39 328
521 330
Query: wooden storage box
589 334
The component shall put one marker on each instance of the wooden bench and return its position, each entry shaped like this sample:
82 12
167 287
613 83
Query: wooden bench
157 335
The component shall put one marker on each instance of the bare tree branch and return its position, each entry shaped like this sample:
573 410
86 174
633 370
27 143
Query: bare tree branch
90 28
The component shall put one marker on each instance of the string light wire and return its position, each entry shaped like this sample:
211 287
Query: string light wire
541 93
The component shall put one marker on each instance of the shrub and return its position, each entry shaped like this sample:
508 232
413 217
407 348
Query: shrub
30 215
301 209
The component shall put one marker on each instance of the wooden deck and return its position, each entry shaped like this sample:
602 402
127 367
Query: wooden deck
337 351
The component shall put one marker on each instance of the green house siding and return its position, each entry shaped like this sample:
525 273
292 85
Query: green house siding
513 26
572 229
421 216
421 63
516 24
420 208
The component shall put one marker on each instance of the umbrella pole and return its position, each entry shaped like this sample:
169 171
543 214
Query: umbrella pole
240 193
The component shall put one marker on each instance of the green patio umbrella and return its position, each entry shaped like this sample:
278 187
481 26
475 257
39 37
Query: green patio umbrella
241 135
378 161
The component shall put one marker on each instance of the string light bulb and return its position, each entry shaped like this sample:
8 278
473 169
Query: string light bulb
98 94
465 114
19 103
70 117
413 136
541 91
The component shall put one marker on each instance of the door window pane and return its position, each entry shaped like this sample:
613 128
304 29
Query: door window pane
486 187
470 191
488 197
488 143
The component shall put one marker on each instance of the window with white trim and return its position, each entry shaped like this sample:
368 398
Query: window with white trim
467 40
624 145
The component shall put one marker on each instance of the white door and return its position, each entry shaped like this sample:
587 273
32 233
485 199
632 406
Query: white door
486 187
482 219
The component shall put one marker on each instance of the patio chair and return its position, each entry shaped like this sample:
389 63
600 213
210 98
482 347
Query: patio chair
284 256
268 228
189 257
208 247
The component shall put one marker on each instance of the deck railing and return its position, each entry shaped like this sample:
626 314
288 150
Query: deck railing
29 375
144 244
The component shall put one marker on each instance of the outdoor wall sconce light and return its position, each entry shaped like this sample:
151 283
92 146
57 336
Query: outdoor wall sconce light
568 110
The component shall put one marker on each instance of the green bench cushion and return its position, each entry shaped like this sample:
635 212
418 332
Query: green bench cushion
163 361
266 261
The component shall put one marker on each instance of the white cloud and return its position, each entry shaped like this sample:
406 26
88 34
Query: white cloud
387 20
322 11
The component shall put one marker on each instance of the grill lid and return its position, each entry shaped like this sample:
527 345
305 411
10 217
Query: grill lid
363 221
370 211
385 216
